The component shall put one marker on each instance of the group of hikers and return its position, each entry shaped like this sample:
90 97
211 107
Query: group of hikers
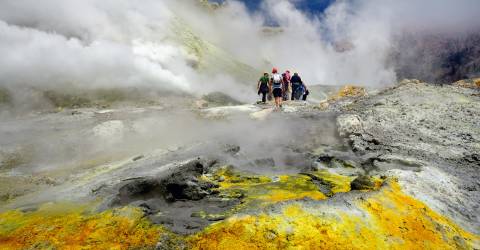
283 87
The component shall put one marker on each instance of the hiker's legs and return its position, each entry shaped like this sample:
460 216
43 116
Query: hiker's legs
264 96
277 94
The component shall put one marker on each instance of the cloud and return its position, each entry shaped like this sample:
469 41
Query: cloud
128 43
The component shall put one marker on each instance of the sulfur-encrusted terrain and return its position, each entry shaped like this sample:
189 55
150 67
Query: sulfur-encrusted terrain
397 169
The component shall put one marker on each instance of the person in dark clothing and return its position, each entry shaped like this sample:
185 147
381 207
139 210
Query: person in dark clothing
262 86
297 86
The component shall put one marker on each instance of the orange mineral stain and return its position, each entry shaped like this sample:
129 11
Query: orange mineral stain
68 227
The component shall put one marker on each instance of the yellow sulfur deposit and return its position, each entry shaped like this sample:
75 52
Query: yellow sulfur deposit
340 183
349 91
389 219
382 219
294 228
407 223
73 227
468 83
280 188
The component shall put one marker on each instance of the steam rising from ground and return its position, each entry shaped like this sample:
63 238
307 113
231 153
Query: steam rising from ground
61 141
121 43
127 43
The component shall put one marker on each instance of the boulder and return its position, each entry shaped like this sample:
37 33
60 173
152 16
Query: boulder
363 182
349 124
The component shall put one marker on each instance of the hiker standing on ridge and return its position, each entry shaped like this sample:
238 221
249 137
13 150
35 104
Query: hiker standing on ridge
286 85
262 87
276 87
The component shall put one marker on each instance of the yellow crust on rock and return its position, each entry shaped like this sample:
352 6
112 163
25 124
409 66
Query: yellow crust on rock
71 227
262 189
389 219
384 219
349 91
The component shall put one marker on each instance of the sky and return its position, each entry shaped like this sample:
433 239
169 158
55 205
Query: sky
312 6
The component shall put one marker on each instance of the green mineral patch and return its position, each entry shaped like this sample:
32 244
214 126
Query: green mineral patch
216 99
106 97
5 97
63 100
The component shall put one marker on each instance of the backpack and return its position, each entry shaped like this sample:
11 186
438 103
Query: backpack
277 78
277 81
299 92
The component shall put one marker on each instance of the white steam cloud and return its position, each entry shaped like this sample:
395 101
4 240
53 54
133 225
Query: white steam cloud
118 43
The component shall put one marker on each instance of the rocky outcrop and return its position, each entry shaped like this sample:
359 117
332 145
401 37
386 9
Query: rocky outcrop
418 130
349 124
177 200
437 58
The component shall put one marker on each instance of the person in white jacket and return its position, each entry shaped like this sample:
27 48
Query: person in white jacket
276 88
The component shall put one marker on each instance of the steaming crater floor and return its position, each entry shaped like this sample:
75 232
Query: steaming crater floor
359 175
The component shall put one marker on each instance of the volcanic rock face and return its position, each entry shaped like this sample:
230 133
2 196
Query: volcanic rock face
444 58
176 200
421 125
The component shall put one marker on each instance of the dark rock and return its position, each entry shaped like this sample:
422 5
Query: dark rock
172 199
324 186
325 158
188 190
139 189
136 158
232 149
182 184
362 182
